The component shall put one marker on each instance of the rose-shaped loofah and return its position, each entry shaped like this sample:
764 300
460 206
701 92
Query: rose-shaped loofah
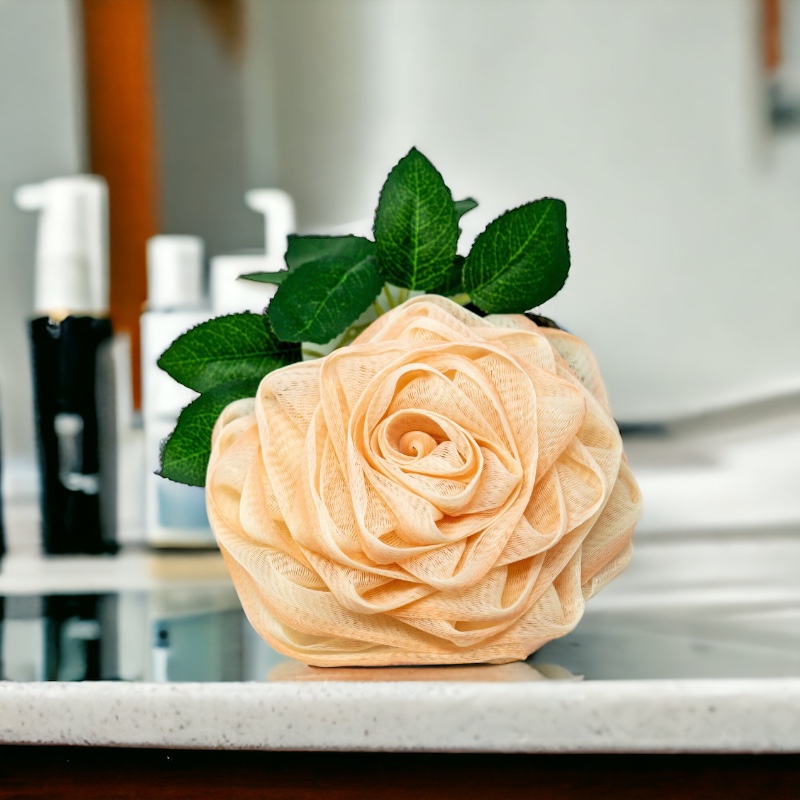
448 489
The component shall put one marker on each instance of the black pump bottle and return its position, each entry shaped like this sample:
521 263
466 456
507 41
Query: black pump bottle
72 366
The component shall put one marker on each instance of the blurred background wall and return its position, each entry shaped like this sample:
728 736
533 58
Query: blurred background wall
41 135
650 119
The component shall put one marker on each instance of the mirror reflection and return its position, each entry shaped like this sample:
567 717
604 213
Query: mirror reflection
201 634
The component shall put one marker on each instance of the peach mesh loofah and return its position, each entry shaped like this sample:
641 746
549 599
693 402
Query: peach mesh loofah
448 489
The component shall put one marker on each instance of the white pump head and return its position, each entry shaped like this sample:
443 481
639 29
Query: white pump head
72 244
229 294
174 272
278 209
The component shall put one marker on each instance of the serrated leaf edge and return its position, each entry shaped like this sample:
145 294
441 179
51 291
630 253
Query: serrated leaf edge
516 255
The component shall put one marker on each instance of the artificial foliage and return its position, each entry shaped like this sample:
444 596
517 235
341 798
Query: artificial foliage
334 286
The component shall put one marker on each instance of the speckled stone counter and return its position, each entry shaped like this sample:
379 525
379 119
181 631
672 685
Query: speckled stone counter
531 717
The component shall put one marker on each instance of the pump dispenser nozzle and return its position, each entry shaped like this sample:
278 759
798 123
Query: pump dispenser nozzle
229 294
71 247
278 210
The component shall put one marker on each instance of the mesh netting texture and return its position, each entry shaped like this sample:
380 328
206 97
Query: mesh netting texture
448 489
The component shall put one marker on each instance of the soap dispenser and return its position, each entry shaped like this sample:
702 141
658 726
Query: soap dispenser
73 372
229 294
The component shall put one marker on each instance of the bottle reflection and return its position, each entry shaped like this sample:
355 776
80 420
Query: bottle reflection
161 652
80 633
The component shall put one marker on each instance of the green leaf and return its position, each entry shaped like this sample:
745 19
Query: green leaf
267 277
464 206
305 249
231 348
416 225
453 283
321 297
185 454
520 260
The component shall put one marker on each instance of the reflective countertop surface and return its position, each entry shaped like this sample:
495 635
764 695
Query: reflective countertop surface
194 630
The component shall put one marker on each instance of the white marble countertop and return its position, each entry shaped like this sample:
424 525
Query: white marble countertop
433 716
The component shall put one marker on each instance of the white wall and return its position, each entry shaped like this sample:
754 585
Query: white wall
41 136
311 104
647 118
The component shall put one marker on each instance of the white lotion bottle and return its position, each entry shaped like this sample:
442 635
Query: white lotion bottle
175 514
230 294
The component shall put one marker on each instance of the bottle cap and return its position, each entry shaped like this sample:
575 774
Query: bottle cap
174 273
71 244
